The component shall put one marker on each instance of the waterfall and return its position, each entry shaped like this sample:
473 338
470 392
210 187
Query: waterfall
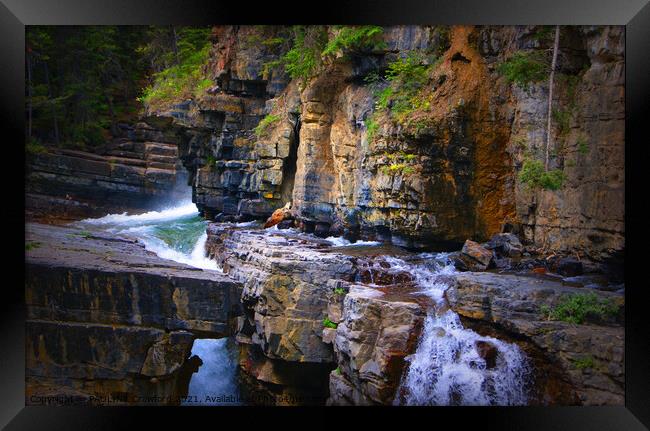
447 367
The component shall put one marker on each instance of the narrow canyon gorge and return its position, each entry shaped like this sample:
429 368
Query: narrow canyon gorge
442 232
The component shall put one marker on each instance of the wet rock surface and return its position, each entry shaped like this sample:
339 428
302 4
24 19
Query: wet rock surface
88 293
591 356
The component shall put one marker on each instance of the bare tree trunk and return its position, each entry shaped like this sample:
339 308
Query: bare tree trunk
52 105
29 93
176 45
550 94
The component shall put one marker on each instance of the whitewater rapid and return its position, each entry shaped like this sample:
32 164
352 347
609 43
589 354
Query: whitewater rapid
176 233
446 368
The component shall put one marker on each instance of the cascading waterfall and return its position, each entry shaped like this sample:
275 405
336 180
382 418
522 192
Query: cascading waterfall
446 368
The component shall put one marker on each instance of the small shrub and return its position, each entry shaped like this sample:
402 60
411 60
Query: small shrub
577 308
210 161
583 147
34 147
584 363
524 68
85 234
563 121
31 245
339 291
265 123
534 176
338 370
371 128
329 324
354 38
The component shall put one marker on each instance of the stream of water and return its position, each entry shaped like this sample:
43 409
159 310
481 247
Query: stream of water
446 368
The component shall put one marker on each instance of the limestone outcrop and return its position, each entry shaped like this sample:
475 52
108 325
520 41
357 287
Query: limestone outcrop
589 355
110 321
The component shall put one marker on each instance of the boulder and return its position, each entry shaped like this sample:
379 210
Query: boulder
488 352
473 257
569 267
505 245
279 215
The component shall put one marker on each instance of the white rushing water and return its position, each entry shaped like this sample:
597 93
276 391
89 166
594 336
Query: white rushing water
446 368
216 381
176 233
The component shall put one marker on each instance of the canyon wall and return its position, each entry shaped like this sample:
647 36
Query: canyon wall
464 149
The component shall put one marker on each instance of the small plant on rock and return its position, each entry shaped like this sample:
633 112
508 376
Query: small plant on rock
524 68
329 324
584 363
534 176
579 307
339 291
265 123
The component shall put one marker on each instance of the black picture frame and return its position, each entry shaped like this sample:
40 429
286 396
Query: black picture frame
634 14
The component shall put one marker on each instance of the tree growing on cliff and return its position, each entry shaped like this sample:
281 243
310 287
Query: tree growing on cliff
556 44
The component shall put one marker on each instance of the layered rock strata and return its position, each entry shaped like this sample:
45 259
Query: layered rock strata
108 322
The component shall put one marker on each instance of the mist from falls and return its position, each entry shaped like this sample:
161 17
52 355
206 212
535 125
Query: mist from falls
447 368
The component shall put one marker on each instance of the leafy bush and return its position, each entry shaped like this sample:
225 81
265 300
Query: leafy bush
31 245
354 38
584 363
579 307
371 127
563 121
265 123
304 57
524 68
180 81
583 147
34 147
329 324
534 176
339 291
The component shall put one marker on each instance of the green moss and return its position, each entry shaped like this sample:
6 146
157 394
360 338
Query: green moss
339 291
338 370
584 363
524 68
85 234
329 324
578 307
265 123
534 176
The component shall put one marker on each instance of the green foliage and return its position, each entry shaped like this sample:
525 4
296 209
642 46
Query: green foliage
85 234
304 57
579 307
339 291
583 147
31 245
80 80
563 120
371 127
184 77
34 147
534 176
399 92
210 161
584 363
338 370
399 163
265 123
329 324
544 32
524 68
354 38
